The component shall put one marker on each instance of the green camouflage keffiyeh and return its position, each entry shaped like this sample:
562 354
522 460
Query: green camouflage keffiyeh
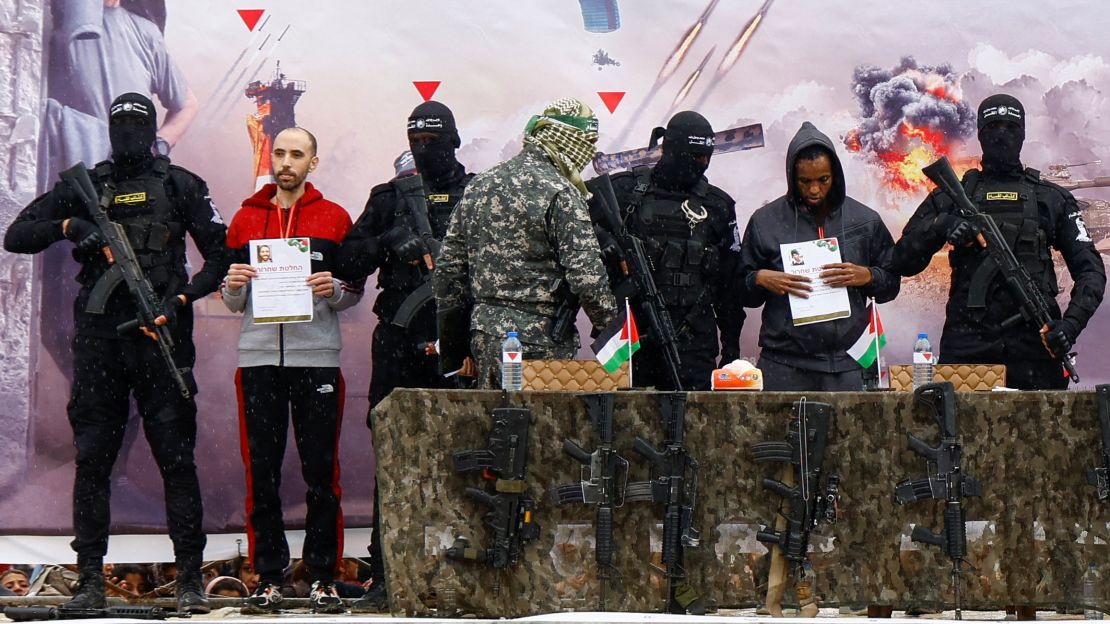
567 132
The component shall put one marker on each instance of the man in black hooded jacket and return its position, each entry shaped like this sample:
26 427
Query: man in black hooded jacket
1033 216
689 230
157 204
387 240
815 206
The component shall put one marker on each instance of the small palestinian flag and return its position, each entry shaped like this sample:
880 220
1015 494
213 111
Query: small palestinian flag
616 344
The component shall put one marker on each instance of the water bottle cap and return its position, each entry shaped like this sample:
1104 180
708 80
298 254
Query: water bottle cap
922 335
511 334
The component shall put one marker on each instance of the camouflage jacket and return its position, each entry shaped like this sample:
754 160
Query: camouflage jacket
519 228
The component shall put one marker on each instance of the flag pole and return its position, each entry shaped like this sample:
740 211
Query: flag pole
878 344
627 329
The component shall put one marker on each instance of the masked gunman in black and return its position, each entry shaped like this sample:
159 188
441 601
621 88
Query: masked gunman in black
1033 216
157 204
689 231
387 239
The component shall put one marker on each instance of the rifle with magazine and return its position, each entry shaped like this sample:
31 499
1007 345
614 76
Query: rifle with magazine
810 494
604 478
125 269
945 481
674 483
509 513
1033 308
37 614
637 266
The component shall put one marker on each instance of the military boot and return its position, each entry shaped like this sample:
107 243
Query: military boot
90 587
190 590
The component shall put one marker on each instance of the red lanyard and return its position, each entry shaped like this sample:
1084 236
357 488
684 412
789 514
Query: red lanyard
284 229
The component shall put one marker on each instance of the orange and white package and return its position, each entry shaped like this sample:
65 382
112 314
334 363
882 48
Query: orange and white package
738 375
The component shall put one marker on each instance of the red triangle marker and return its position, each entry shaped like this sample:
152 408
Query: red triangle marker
612 99
512 356
250 17
427 88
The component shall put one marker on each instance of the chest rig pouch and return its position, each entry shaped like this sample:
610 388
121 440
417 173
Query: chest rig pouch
676 231
1013 206
143 207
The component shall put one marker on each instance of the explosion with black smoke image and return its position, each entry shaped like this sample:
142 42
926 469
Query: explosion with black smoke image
910 116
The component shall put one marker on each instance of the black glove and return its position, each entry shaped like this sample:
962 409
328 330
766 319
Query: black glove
728 355
959 231
1061 336
406 245
171 307
85 235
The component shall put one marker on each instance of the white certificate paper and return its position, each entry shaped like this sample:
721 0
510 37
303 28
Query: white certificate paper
824 303
280 292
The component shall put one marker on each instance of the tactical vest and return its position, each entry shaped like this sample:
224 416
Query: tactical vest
143 206
676 230
1013 206
398 276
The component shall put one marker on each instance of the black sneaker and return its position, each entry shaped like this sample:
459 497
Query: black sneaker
324 598
266 598
90 591
190 593
375 600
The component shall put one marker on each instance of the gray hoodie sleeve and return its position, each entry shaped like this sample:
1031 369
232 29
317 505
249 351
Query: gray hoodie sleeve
235 301
885 282
344 295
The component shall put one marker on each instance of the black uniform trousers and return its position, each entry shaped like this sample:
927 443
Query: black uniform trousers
397 361
698 349
315 396
779 377
105 372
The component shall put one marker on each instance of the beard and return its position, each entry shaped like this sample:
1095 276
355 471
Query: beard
292 183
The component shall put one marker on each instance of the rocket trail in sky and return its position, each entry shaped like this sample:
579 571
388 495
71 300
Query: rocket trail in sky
736 49
689 84
673 61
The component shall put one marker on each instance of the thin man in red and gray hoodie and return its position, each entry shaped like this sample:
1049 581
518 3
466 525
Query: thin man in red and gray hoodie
291 365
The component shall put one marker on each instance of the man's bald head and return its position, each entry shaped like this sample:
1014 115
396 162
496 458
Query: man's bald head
308 135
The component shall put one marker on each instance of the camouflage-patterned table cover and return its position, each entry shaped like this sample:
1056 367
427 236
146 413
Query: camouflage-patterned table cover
1042 523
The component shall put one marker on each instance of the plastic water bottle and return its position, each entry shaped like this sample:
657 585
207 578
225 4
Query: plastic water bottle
922 361
512 363
1092 582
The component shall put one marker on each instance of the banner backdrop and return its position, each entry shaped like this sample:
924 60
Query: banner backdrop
895 83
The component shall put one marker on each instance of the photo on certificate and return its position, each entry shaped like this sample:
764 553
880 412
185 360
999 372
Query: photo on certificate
824 303
280 292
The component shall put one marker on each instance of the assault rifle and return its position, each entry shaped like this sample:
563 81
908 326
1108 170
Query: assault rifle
636 265
674 483
1100 476
811 498
1033 308
604 485
946 481
410 190
509 517
36 614
125 269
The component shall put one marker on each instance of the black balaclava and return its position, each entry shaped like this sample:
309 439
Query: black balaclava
435 160
132 128
1001 142
688 135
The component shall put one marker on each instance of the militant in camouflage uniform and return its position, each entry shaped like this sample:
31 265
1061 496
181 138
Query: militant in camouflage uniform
521 230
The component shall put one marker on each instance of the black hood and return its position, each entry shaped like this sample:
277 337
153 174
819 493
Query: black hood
808 135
